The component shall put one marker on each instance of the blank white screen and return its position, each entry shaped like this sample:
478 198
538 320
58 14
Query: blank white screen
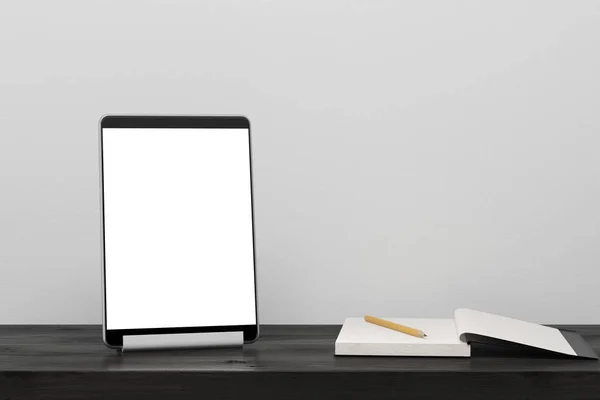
178 228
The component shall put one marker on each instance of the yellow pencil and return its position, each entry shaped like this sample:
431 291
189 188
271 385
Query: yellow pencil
396 327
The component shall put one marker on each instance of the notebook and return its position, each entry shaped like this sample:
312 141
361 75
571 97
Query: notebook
451 337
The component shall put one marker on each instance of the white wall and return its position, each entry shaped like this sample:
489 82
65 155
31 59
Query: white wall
411 157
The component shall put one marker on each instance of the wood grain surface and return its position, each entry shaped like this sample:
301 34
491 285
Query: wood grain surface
287 362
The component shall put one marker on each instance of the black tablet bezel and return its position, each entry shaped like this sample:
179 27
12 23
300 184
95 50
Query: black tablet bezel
114 338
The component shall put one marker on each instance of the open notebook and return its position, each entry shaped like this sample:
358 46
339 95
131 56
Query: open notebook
451 337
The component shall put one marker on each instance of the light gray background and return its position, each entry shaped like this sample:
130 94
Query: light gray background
411 157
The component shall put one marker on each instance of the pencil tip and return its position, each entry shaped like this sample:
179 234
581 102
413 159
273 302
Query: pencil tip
424 335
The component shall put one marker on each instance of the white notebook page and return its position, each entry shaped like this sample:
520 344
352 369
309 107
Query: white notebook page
510 329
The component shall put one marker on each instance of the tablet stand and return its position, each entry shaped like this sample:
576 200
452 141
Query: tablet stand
183 341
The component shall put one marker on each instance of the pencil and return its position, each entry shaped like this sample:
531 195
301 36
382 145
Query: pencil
396 327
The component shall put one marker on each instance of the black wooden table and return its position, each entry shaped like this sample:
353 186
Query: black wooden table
288 362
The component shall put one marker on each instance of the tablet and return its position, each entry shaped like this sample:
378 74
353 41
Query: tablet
178 251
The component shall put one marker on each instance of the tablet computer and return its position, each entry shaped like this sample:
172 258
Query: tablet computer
178 252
